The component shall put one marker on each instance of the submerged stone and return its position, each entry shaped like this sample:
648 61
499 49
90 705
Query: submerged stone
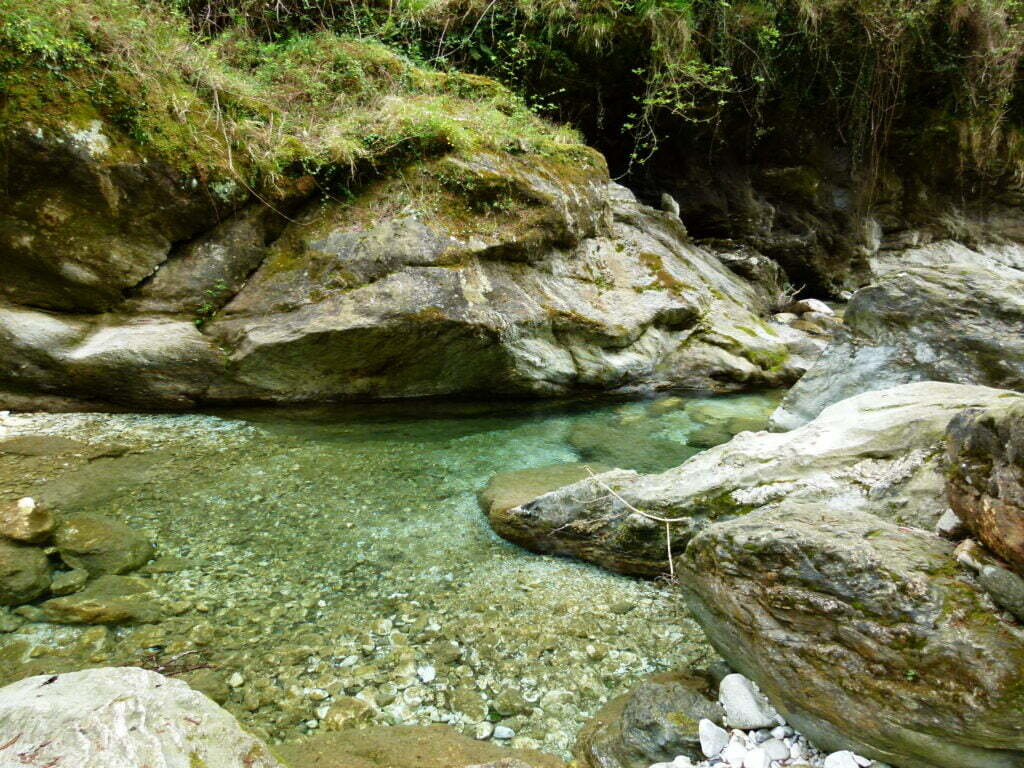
24 573
101 545
107 600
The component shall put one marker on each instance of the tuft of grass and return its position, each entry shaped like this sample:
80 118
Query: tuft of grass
258 112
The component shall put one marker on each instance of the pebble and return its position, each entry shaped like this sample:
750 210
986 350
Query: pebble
843 759
483 731
503 732
950 526
426 673
713 739
745 706
236 680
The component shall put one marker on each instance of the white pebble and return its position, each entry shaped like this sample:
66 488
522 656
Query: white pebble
236 680
745 706
756 758
734 753
713 739
776 749
842 759
503 732
426 673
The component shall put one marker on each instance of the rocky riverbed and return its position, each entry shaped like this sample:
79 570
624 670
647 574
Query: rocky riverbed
321 568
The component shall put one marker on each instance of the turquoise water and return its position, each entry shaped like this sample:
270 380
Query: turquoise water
318 554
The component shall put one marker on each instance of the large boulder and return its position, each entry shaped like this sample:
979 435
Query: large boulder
986 477
863 633
514 273
938 313
880 452
120 717
655 721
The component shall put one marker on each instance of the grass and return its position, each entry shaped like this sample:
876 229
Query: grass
239 108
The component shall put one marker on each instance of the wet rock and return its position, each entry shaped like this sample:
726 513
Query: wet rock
24 573
881 452
986 477
348 712
810 305
68 582
657 720
57 445
943 312
100 544
107 600
208 682
123 718
26 521
863 633
404 746
510 489
612 442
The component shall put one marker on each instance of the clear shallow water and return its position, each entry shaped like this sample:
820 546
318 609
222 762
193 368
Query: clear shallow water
319 553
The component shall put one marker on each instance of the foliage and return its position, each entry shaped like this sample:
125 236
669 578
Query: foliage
255 111
946 70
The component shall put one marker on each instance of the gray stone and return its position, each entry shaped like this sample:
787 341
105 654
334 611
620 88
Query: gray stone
863 634
881 452
942 312
949 526
745 706
123 718
713 738
659 719
841 759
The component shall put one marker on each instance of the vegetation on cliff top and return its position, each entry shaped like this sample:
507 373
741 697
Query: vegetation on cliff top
877 74
258 111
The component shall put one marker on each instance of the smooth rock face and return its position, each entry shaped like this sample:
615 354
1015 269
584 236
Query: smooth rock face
864 633
121 717
939 313
986 478
880 452
656 721
101 545
24 573
570 285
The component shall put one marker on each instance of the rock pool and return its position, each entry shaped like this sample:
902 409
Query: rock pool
307 555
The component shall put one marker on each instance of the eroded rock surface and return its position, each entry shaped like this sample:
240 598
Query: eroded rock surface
880 452
938 313
120 717
864 633
986 478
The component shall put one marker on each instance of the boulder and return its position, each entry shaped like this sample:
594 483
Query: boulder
26 521
100 544
107 600
986 477
121 717
510 489
942 312
881 452
515 273
24 573
655 721
863 633
406 746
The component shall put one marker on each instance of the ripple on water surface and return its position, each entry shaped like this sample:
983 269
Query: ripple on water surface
316 554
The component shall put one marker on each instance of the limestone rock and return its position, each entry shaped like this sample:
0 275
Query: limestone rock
100 544
656 721
939 313
107 600
121 717
26 521
986 478
405 746
863 633
881 452
24 573
510 489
